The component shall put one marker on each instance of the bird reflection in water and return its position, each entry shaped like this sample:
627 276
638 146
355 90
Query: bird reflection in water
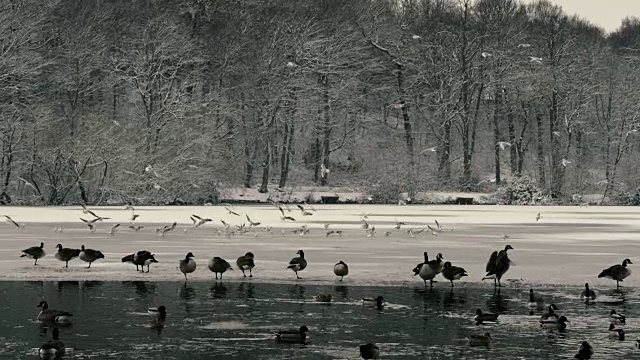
454 299
141 288
219 290
246 290
297 291
498 303
186 294
342 290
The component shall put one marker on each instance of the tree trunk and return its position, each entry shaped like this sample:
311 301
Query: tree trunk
496 133
444 153
408 132
513 149
248 144
266 167
540 152
284 156
555 158
326 130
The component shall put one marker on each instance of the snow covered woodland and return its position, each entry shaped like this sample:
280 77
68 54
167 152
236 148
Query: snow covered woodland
157 100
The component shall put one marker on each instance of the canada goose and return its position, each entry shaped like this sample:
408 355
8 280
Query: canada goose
429 269
535 303
52 315
292 336
53 348
498 264
341 269
616 333
34 252
187 265
483 316
219 265
323 298
298 263
129 259
479 340
369 351
158 316
617 272
587 294
90 255
553 323
66 254
453 272
143 258
246 262
551 313
377 302
585 351
616 318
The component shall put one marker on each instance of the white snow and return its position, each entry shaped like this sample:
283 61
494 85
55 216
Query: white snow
569 245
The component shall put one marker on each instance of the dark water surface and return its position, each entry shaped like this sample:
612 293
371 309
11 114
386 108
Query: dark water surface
236 320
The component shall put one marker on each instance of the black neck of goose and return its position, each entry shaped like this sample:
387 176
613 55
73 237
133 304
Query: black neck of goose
302 254
426 257
586 288
531 299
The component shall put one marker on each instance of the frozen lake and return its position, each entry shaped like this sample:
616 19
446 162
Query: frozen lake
568 245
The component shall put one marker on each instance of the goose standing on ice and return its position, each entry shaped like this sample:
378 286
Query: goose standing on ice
587 294
617 272
218 265
34 252
298 263
53 348
429 269
52 315
90 255
187 265
498 264
246 262
341 269
143 258
451 273
66 254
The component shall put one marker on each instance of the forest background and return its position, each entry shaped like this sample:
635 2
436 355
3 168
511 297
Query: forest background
173 101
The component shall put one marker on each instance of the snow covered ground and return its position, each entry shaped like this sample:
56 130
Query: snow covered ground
568 245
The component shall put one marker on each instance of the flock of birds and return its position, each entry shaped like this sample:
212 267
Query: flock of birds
497 265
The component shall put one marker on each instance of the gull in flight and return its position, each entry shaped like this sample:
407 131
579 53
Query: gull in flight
503 144
431 149
535 60
565 162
